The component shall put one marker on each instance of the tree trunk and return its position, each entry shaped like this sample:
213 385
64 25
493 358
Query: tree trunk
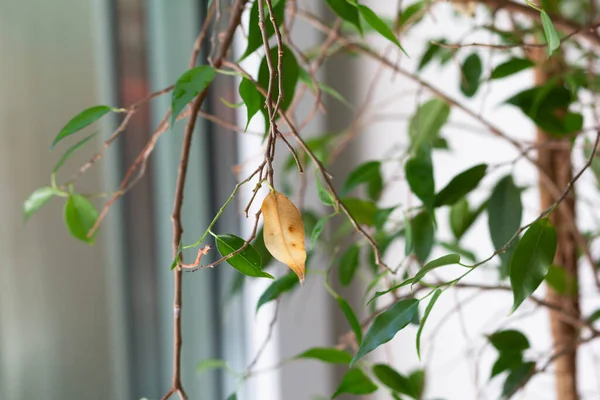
555 162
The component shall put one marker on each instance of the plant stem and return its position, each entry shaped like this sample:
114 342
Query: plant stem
234 22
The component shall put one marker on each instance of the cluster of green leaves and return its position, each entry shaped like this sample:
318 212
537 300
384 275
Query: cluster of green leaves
511 345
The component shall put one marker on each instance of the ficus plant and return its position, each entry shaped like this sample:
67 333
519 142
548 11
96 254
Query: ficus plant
557 40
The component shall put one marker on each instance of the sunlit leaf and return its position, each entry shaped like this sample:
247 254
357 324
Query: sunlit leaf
470 77
80 121
355 382
531 260
460 185
386 325
36 200
277 288
329 355
80 217
434 298
211 363
188 86
284 232
248 261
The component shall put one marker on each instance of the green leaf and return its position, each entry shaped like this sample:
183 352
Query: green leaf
346 11
434 298
460 218
550 33
318 229
80 216
259 246
329 355
80 121
307 80
417 379
382 215
255 40
532 258
511 67
547 106
386 325
362 211
419 174
324 194
595 316
309 219
290 74
376 23
509 340
355 382
504 214
348 313
517 378
188 86
277 288
232 396
456 248
251 98
177 258
70 152
460 185
558 280
471 75
426 124
423 235
434 50
448 259
248 261
506 361
409 12
408 236
370 173
211 363
349 264
36 200
396 287
394 380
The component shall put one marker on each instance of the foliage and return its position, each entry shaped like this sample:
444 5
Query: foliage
356 227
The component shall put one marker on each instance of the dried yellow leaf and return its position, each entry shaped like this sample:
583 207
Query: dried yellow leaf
284 232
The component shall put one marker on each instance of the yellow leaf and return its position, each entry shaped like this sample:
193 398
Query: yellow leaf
284 232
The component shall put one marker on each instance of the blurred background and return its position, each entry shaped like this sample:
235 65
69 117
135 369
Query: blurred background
94 322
